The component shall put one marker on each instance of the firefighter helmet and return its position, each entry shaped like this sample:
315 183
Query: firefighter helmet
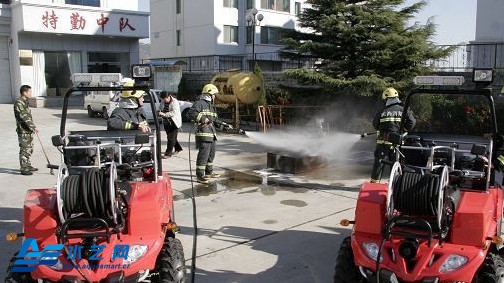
131 93
389 92
210 89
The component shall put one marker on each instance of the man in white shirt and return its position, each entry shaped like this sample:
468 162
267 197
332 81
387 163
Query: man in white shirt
172 121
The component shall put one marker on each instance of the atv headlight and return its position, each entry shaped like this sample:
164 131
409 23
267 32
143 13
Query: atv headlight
453 262
135 253
371 250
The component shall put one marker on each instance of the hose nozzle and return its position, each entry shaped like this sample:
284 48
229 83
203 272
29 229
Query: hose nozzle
363 135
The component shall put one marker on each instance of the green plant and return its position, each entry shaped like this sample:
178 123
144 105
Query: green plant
258 72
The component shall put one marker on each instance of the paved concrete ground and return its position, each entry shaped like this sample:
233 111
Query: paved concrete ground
251 229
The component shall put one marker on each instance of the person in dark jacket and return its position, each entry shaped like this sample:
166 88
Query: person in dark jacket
203 114
25 129
387 121
129 115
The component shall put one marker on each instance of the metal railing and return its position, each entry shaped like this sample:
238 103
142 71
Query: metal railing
269 62
464 58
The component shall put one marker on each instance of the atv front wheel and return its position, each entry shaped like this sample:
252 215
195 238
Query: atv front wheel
170 263
346 271
17 277
492 270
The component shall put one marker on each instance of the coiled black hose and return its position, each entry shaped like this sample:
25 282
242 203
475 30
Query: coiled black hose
416 194
87 193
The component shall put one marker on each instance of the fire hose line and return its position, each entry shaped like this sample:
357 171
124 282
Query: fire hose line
87 193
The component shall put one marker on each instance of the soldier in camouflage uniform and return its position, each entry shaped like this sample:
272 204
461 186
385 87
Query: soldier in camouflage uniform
25 129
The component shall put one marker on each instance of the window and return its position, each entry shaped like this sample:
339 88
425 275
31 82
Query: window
92 3
277 5
230 34
57 73
250 4
179 39
250 34
297 8
107 62
271 35
179 6
231 3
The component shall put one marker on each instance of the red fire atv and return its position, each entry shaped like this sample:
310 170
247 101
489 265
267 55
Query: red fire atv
438 219
111 192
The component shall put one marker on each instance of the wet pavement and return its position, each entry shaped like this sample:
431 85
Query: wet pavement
254 225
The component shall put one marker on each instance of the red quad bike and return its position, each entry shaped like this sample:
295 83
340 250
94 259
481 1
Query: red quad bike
110 191
438 219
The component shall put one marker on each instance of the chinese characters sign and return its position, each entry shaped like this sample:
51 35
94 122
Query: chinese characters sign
64 20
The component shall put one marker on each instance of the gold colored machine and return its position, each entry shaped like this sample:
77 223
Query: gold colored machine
237 88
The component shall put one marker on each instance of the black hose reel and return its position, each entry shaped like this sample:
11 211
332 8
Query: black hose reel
420 196
90 193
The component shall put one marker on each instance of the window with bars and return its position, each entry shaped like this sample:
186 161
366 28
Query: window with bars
250 34
277 5
250 4
91 3
297 8
230 34
231 3
271 35
179 6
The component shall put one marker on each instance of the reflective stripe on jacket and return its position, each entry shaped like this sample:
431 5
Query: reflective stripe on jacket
126 119
200 111
388 120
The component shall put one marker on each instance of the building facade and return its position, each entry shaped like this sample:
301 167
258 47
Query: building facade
487 50
215 35
48 40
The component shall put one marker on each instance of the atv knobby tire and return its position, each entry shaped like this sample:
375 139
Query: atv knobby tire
346 271
16 277
492 270
170 264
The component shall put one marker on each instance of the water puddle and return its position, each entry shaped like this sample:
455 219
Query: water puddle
265 182
294 202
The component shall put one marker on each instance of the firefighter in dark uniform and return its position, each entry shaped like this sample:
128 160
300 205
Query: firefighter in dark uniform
203 114
25 129
387 121
129 115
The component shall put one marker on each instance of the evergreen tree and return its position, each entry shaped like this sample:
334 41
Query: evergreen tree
363 46
258 72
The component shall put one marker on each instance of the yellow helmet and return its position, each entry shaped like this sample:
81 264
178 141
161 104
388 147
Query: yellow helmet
129 93
210 89
389 92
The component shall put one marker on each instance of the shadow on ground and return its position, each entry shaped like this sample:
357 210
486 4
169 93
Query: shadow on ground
302 256
10 221
10 171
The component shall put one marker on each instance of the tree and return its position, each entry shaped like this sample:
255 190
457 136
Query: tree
363 46
258 72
